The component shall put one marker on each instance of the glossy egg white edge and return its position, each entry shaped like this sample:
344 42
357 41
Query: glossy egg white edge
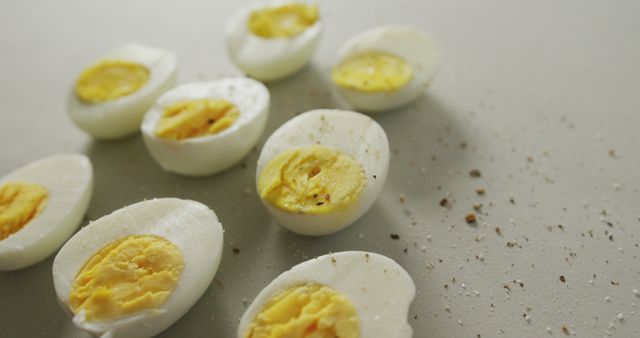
121 117
269 59
416 47
353 134
69 180
214 153
190 225
379 288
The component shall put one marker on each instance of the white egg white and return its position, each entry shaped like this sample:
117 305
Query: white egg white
380 290
189 225
351 133
121 117
210 154
69 182
269 59
416 47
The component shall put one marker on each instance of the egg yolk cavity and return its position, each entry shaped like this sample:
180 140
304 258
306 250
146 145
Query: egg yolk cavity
110 79
19 204
373 73
128 275
311 180
196 118
311 310
282 21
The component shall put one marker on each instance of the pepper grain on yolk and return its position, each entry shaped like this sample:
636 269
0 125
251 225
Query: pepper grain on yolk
110 79
311 310
128 275
373 73
19 204
312 180
195 118
282 21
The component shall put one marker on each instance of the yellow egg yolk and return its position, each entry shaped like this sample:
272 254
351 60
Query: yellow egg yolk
307 311
312 180
128 275
110 79
373 73
283 21
19 204
195 118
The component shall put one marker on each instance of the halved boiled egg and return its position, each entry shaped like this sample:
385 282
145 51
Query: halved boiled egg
110 97
385 67
135 272
323 169
272 39
202 128
350 294
41 205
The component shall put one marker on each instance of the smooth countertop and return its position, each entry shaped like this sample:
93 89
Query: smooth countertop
542 97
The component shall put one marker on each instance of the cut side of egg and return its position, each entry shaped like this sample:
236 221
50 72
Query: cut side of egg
203 128
270 40
41 205
351 294
385 67
135 272
322 170
109 98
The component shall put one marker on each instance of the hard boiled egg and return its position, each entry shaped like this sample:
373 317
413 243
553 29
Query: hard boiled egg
270 40
135 272
385 67
110 97
41 205
350 294
323 169
203 128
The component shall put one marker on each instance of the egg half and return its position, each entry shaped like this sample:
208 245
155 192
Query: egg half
110 97
270 40
202 128
135 272
348 294
385 67
41 205
322 170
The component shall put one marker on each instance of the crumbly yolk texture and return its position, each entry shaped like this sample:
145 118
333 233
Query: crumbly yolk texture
110 79
373 73
283 21
128 275
19 204
311 180
307 311
196 118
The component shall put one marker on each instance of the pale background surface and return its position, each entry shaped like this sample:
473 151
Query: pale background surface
556 81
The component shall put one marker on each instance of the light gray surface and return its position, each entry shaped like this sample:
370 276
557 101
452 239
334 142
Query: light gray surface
556 81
